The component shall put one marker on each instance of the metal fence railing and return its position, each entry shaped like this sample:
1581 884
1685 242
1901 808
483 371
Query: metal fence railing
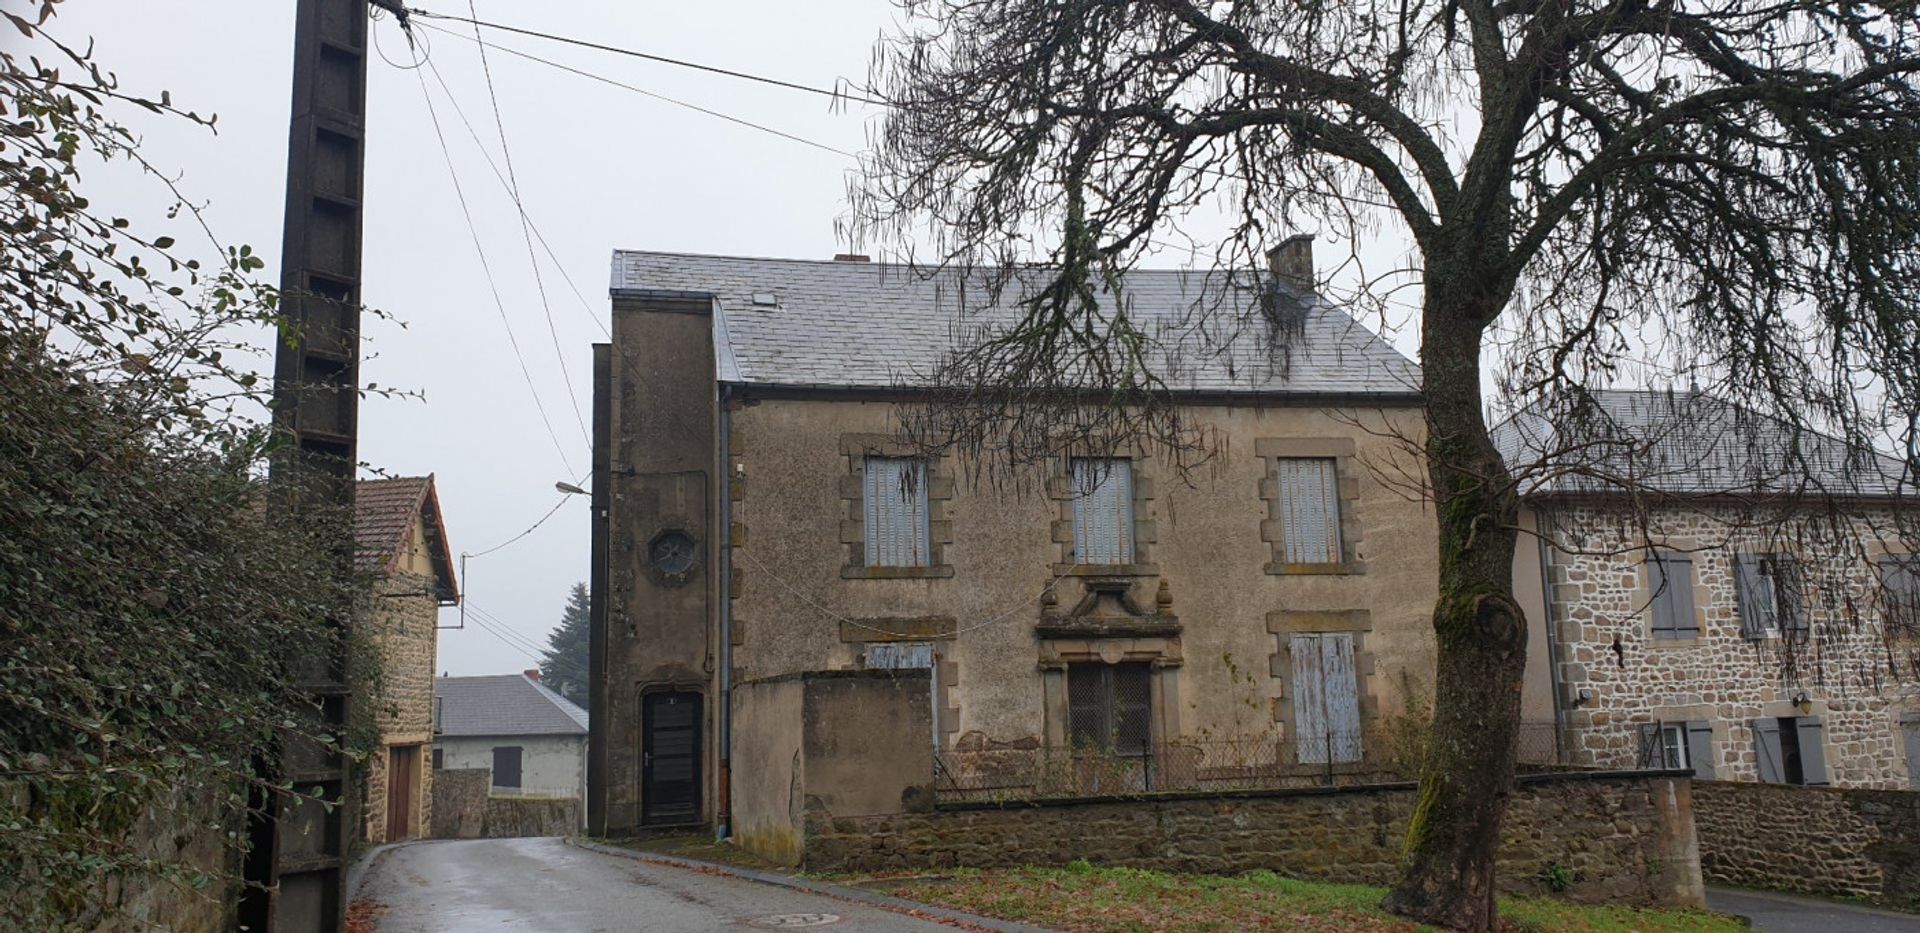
1251 763
1263 762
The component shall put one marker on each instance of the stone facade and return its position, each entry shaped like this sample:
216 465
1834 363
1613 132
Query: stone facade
463 809
1611 676
1828 842
1620 838
400 619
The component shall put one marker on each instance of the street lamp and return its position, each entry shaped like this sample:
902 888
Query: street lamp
569 488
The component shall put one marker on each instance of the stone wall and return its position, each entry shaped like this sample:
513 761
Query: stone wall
463 809
181 830
1621 837
401 620
1813 840
1600 610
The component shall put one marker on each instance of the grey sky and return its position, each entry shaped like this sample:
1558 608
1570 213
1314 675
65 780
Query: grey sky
599 168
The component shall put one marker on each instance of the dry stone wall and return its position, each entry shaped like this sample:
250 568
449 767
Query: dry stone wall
1619 838
1856 677
1823 841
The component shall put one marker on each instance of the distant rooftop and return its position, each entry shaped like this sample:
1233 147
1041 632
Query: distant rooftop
842 324
503 704
1684 443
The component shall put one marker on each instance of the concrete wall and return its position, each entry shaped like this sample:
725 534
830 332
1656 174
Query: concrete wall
1625 838
1858 688
1825 841
824 744
1223 674
550 765
401 618
659 633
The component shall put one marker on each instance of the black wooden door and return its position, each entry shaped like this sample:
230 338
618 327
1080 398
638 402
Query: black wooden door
670 758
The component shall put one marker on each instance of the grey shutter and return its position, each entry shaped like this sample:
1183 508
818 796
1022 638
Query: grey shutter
899 656
1653 752
1103 511
895 494
1900 597
1700 748
1309 510
1341 692
1753 588
1911 730
1309 704
1789 596
1671 576
1766 747
1813 755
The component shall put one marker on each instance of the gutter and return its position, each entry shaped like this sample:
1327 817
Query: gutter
722 827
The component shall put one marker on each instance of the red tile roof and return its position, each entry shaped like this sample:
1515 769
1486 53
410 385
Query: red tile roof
383 514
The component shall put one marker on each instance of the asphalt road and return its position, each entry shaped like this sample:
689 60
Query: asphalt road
547 885
1782 913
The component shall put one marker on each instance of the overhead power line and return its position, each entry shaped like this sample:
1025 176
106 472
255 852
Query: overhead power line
838 95
508 50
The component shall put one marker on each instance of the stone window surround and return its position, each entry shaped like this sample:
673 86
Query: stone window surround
1145 531
1162 653
1641 595
1284 623
856 448
1344 452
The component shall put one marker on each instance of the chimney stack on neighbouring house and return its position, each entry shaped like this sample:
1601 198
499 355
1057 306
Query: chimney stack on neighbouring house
851 257
1292 262
533 675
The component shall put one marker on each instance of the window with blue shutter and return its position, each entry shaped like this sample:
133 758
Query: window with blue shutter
1670 582
894 496
1103 511
1309 510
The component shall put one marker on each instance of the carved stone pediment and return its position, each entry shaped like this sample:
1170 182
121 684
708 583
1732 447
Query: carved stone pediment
1108 610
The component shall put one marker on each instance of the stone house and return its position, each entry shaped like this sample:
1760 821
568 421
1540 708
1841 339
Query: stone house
401 541
757 516
531 739
1710 591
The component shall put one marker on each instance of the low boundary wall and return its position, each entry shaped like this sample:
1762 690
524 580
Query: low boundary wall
463 809
1825 841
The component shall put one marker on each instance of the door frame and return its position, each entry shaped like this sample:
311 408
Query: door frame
698 755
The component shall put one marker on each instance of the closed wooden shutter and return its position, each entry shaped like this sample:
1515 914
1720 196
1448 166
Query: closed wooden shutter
1789 594
1326 698
1900 593
1813 754
1910 729
1309 510
1700 748
1766 747
1753 589
1670 577
506 766
1103 511
895 501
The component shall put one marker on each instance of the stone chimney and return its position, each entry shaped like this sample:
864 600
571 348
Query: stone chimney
1292 262
533 675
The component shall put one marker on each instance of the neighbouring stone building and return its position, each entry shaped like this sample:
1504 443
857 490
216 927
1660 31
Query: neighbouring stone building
529 740
758 516
1710 591
401 541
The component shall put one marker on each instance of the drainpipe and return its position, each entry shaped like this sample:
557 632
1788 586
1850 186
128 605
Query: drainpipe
1541 521
722 827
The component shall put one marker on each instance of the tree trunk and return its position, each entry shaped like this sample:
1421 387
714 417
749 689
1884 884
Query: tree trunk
1447 877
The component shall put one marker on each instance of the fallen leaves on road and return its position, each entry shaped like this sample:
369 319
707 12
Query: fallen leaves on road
362 914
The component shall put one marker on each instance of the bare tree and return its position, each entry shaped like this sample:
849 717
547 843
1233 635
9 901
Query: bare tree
1725 185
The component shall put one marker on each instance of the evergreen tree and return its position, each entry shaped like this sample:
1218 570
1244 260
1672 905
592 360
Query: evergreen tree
564 667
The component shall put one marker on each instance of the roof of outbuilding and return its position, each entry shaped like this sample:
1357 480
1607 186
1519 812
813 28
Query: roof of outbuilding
503 704
880 325
1683 443
383 514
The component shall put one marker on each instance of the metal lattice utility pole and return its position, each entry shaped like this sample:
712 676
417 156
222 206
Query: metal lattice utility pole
296 868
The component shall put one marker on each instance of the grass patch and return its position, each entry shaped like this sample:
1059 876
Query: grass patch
1082 897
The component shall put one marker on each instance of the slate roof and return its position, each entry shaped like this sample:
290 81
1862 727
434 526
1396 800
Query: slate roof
1683 443
503 704
883 325
383 515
